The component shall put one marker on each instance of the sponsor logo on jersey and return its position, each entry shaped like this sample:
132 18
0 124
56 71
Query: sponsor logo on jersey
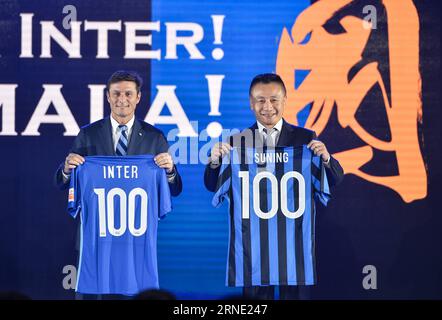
71 195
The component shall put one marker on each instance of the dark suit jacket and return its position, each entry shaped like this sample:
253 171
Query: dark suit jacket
95 139
290 136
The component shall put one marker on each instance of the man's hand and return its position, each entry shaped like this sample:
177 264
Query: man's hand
164 160
219 150
72 160
319 149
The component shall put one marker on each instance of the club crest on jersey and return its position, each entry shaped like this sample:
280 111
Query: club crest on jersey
71 195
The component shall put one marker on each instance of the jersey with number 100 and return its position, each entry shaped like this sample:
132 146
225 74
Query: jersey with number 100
272 214
120 200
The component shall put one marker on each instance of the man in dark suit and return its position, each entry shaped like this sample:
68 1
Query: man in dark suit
101 137
267 95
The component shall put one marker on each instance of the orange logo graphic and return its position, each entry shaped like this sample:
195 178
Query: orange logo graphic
329 58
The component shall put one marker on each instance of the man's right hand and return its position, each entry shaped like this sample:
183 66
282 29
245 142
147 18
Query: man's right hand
72 160
219 150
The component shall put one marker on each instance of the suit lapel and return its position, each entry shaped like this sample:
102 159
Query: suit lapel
255 131
284 136
135 138
106 137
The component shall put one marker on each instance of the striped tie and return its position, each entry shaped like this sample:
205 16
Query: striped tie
122 142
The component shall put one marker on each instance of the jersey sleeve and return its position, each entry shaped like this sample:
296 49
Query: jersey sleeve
319 181
74 194
164 197
223 183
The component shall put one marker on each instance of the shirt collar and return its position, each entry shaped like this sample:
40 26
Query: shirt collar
277 126
115 124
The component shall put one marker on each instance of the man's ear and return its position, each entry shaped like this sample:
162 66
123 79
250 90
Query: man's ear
107 96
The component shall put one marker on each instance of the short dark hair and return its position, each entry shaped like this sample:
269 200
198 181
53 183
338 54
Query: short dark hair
123 75
267 78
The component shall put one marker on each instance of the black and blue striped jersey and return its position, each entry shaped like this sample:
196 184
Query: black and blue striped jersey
271 196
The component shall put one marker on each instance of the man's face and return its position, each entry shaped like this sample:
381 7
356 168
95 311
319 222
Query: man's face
268 100
123 99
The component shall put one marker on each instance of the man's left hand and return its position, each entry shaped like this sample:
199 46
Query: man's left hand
319 150
164 160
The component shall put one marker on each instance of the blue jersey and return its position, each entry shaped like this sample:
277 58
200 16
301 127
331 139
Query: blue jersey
272 214
120 200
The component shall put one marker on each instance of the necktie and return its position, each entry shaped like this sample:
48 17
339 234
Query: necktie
267 138
122 141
